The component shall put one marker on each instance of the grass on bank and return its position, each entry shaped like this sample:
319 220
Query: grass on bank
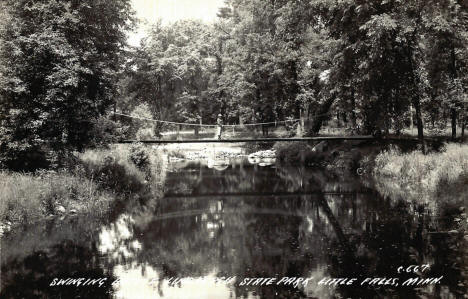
421 174
26 198
96 180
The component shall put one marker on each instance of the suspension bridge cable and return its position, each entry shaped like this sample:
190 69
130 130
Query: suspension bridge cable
202 125
163 121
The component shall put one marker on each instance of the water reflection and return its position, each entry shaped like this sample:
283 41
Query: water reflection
34 256
248 221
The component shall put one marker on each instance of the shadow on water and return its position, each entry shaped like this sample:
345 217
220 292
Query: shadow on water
245 221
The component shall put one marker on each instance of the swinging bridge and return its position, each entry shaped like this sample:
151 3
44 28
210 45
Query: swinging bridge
176 132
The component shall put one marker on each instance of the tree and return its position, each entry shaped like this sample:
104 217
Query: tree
60 61
318 55
447 51
367 62
261 58
395 54
370 71
170 71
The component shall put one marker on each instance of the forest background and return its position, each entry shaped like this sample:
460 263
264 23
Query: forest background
373 67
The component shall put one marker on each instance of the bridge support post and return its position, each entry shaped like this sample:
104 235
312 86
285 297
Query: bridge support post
299 132
197 128
300 125
178 132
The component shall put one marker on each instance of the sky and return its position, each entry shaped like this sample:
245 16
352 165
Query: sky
172 10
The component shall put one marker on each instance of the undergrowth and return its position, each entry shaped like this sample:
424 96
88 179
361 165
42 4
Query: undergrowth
97 179
414 174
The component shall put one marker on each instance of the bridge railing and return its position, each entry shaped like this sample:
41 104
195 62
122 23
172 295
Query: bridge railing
140 128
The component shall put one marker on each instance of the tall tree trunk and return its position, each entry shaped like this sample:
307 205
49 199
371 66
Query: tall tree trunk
321 117
453 116
419 123
411 118
453 111
463 131
306 117
353 113
416 100
463 125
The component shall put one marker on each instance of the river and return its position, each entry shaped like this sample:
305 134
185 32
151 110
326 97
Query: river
219 228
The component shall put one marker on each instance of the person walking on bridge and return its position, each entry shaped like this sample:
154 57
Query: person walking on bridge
219 122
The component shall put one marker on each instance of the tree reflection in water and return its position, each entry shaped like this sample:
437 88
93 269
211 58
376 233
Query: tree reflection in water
249 221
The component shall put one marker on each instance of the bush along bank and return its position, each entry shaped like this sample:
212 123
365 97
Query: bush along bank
339 156
397 170
347 156
97 183
442 174
438 181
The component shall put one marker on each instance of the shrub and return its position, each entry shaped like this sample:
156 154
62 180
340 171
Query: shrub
26 197
292 152
422 175
139 156
90 185
112 170
31 155
124 169
21 155
105 131
139 127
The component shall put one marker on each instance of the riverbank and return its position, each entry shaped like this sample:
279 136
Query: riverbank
398 171
437 182
399 166
416 176
95 183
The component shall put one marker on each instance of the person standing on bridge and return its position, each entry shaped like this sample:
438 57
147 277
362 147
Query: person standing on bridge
219 122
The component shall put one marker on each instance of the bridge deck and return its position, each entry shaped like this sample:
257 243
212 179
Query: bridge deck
324 138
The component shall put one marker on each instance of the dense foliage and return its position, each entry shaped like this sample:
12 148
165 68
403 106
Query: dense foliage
371 67
59 66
